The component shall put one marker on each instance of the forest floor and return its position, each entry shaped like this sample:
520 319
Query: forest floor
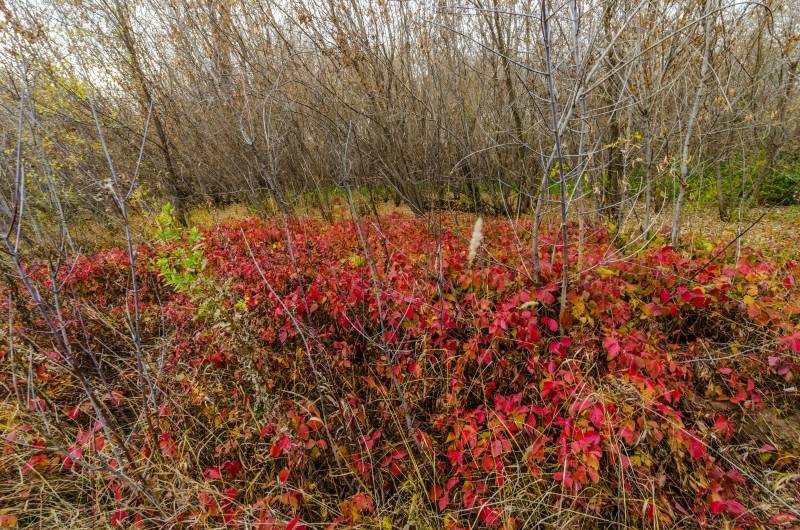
407 372
767 227
774 228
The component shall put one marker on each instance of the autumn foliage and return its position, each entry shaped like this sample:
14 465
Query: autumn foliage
314 375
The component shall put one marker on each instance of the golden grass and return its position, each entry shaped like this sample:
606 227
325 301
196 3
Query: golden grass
778 230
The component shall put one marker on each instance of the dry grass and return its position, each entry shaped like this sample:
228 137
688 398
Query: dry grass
775 229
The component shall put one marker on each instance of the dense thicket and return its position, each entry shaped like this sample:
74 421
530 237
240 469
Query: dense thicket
427 103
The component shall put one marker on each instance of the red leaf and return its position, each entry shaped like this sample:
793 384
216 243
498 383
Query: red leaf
283 475
696 448
550 323
731 507
231 468
443 501
612 346
33 462
488 515
441 496
546 298
793 341
75 453
281 446
295 524
723 426
664 295
118 517
596 415
782 519
734 508
266 430
363 502
212 473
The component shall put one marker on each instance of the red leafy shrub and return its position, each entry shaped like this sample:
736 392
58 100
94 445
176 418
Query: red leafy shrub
303 377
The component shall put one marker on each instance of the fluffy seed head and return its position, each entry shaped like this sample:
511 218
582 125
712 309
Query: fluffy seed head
477 237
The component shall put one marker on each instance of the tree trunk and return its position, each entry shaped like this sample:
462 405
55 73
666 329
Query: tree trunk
612 184
677 214
648 177
721 205
177 195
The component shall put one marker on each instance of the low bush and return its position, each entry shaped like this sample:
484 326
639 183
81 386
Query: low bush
782 187
299 378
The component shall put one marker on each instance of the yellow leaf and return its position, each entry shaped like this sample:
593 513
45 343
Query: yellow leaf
605 272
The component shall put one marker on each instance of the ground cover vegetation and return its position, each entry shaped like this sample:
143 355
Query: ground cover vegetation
393 372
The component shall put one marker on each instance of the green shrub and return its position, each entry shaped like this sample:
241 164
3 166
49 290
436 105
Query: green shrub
782 187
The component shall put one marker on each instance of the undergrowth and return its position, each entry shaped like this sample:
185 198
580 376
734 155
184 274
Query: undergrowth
304 379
